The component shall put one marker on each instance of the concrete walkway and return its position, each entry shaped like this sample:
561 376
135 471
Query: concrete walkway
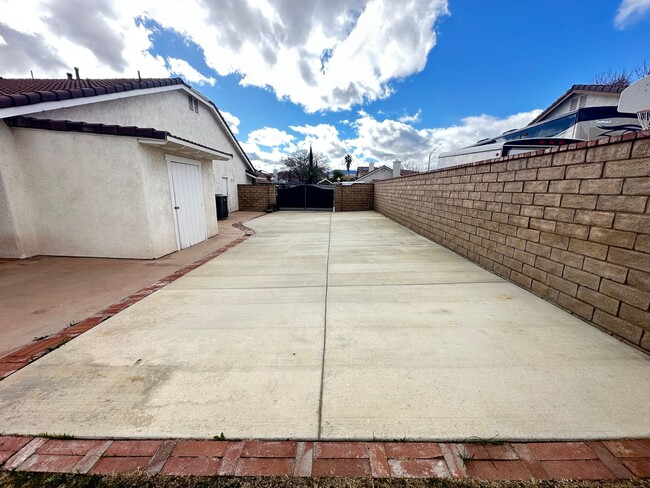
336 326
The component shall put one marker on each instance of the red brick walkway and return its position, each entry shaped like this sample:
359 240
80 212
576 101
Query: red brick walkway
607 460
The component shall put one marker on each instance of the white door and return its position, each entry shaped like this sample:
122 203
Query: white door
187 201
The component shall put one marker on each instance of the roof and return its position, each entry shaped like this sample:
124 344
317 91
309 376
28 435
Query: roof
19 92
611 89
24 92
170 140
366 176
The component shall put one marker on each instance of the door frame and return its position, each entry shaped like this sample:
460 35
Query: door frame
170 158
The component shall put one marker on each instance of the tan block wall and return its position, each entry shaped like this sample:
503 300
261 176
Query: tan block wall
255 198
352 198
571 225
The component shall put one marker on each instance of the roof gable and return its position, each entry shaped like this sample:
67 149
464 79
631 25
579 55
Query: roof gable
18 96
602 89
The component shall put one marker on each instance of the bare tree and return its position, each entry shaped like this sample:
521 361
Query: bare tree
306 166
623 77
642 70
617 78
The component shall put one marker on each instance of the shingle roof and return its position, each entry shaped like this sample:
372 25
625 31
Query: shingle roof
19 92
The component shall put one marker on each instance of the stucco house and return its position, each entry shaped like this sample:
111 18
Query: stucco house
122 168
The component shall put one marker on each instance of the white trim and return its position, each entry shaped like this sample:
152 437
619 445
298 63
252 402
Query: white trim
75 102
221 156
170 158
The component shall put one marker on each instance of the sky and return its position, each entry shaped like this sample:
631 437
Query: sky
378 79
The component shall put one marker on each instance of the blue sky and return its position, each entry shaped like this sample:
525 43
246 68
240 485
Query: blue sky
379 79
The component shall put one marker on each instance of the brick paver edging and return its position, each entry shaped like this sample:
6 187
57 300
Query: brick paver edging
590 460
19 358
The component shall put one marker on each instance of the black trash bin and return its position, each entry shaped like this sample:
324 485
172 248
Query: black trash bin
222 206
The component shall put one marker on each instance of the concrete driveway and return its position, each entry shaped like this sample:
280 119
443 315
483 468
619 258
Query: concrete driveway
336 326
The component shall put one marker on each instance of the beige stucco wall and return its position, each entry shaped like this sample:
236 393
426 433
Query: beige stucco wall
17 235
235 171
168 111
103 196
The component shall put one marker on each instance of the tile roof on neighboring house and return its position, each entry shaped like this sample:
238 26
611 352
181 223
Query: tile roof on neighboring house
612 89
102 129
19 92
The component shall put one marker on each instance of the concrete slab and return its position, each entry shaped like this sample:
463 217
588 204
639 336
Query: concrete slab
391 334
42 295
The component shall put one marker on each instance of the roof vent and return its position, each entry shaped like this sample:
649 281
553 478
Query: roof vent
69 75
76 72
193 103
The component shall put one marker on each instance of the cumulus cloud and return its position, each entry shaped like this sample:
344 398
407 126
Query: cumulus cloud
630 11
232 121
183 68
323 55
381 140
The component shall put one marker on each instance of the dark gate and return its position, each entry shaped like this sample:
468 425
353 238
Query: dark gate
305 197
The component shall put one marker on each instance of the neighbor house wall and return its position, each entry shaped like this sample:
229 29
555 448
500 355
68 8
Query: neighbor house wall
572 226
256 198
350 198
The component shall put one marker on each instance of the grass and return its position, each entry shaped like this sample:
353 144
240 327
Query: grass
18 479
47 435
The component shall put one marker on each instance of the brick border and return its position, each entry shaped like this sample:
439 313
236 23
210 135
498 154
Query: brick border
589 460
21 357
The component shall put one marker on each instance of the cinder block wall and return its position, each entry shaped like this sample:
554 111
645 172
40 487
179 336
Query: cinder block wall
570 225
255 198
351 198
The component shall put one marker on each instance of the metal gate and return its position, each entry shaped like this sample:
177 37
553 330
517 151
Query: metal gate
305 197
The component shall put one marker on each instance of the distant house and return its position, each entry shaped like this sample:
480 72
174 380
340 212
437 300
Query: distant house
383 172
581 96
112 168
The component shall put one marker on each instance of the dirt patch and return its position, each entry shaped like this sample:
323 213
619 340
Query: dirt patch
19 479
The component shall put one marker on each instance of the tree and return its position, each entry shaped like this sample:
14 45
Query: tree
624 77
337 175
306 166
348 161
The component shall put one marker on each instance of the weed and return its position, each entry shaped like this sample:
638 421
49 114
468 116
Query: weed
490 441
39 338
74 322
219 437
466 457
47 435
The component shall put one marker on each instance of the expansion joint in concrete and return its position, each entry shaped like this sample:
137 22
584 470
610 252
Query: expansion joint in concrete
322 370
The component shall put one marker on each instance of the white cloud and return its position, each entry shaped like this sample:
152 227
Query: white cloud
630 11
410 119
380 141
321 54
232 121
183 68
